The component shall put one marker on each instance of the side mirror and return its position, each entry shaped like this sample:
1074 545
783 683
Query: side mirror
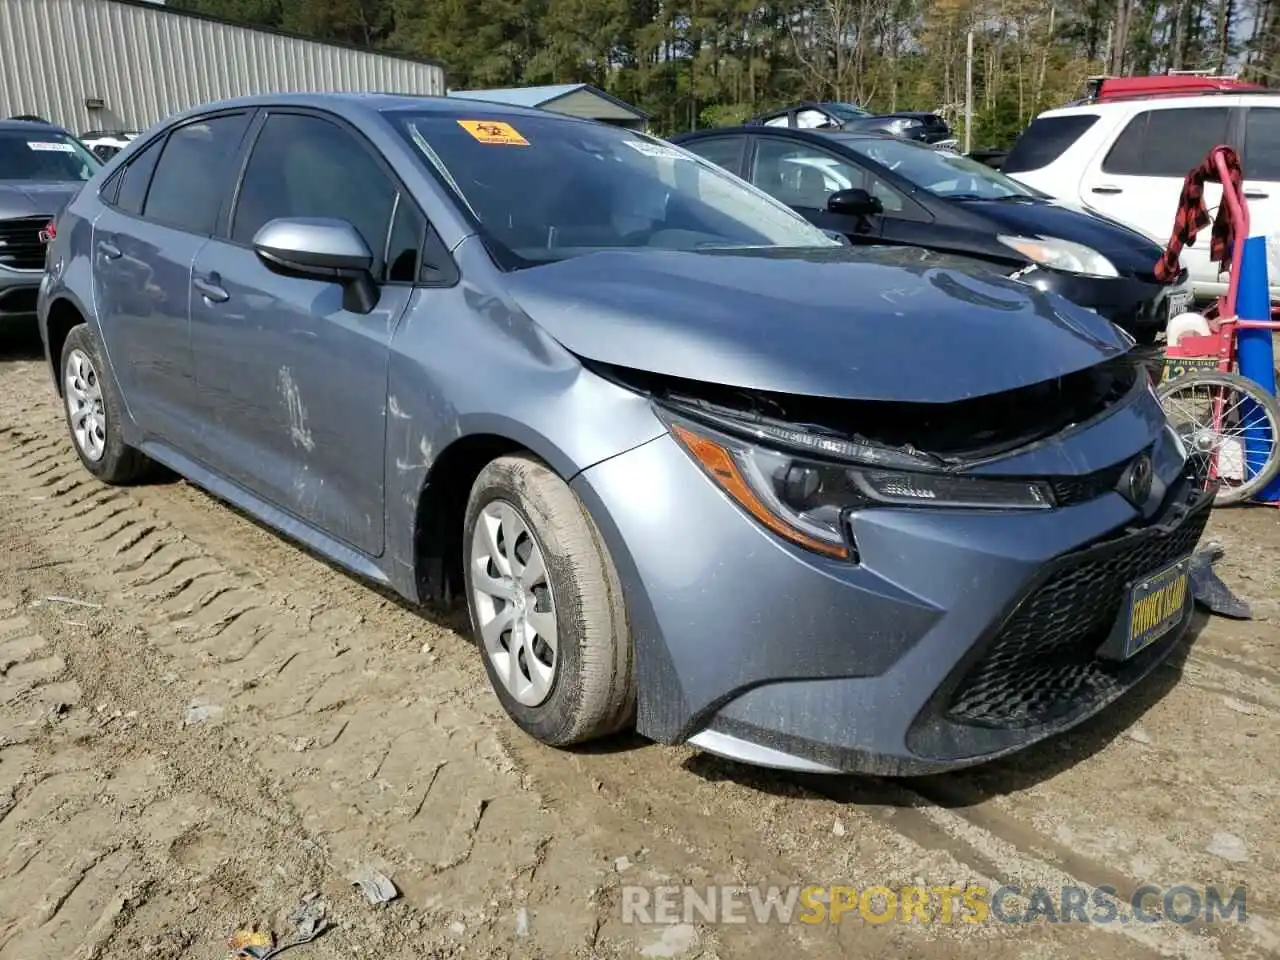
854 203
320 249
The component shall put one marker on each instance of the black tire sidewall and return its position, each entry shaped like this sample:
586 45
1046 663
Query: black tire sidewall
553 720
118 459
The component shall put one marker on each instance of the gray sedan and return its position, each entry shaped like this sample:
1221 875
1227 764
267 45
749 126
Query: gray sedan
41 168
694 466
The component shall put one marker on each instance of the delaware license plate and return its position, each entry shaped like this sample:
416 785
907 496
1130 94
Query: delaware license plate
1157 604
1175 367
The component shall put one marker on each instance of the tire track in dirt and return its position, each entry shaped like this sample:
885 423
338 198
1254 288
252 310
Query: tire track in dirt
223 586
304 700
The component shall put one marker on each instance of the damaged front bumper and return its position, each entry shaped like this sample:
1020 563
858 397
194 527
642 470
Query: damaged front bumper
951 638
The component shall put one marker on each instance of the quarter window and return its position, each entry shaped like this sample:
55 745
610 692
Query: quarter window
136 177
1167 143
305 166
192 174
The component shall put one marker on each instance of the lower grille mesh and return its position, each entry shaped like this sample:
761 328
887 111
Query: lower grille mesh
1042 665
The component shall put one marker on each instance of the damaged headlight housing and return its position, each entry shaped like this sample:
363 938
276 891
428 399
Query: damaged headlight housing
800 485
1064 255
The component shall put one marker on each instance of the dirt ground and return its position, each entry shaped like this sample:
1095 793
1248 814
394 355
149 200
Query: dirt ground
200 725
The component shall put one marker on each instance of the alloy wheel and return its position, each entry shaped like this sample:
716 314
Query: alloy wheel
514 605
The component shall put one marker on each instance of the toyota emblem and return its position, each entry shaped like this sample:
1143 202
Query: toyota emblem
1138 481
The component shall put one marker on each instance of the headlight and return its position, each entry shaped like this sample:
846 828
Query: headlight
901 126
787 479
1062 255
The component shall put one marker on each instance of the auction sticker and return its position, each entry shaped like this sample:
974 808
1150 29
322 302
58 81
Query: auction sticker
493 131
47 147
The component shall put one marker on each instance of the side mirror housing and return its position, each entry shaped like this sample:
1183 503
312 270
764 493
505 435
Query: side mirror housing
854 203
320 249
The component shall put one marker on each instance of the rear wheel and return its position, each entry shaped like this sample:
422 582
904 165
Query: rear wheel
1233 423
94 413
546 605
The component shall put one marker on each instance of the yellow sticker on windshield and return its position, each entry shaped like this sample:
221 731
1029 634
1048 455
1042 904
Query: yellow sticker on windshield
492 131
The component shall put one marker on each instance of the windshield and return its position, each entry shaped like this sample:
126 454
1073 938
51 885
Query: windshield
846 111
45 155
942 174
545 188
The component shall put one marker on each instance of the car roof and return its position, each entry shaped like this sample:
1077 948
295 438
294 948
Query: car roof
32 125
801 133
1135 104
375 103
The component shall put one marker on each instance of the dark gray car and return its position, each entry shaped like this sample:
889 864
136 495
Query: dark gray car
691 463
41 168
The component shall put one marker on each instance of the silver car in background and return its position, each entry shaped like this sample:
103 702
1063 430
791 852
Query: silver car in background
41 168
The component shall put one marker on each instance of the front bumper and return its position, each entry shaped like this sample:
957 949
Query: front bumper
958 637
19 290
1134 303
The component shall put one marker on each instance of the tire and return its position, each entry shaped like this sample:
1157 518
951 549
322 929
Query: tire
587 690
1243 388
100 444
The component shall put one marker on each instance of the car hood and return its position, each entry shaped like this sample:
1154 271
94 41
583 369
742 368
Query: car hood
1130 251
27 198
871 324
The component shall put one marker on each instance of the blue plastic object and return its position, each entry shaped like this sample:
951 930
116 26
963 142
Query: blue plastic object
1256 357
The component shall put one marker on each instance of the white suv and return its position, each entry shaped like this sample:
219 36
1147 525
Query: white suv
1126 159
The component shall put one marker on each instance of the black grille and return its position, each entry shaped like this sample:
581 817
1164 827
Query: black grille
1042 665
20 245
1070 490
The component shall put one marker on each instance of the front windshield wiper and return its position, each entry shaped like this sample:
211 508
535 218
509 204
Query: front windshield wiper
993 199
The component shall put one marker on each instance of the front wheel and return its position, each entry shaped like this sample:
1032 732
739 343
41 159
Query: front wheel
546 605
1233 423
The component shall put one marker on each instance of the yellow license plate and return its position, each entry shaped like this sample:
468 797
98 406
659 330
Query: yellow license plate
1178 366
1157 604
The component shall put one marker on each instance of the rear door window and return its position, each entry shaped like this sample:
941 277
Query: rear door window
1046 140
724 152
1166 143
1262 144
193 173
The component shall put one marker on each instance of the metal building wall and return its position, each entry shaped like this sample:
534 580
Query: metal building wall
146 63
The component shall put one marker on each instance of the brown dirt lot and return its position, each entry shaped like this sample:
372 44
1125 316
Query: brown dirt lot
221 724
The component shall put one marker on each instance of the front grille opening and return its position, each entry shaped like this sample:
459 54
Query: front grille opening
21 300
20 245
1042 666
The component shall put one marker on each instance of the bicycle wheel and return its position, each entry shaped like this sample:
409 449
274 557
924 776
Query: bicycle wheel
1216 413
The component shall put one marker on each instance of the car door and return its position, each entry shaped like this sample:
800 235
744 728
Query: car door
158 213
1137 179
1261 161
298 384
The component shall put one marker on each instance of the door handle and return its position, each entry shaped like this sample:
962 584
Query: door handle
1255 195
108 250
210 289
1106 188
